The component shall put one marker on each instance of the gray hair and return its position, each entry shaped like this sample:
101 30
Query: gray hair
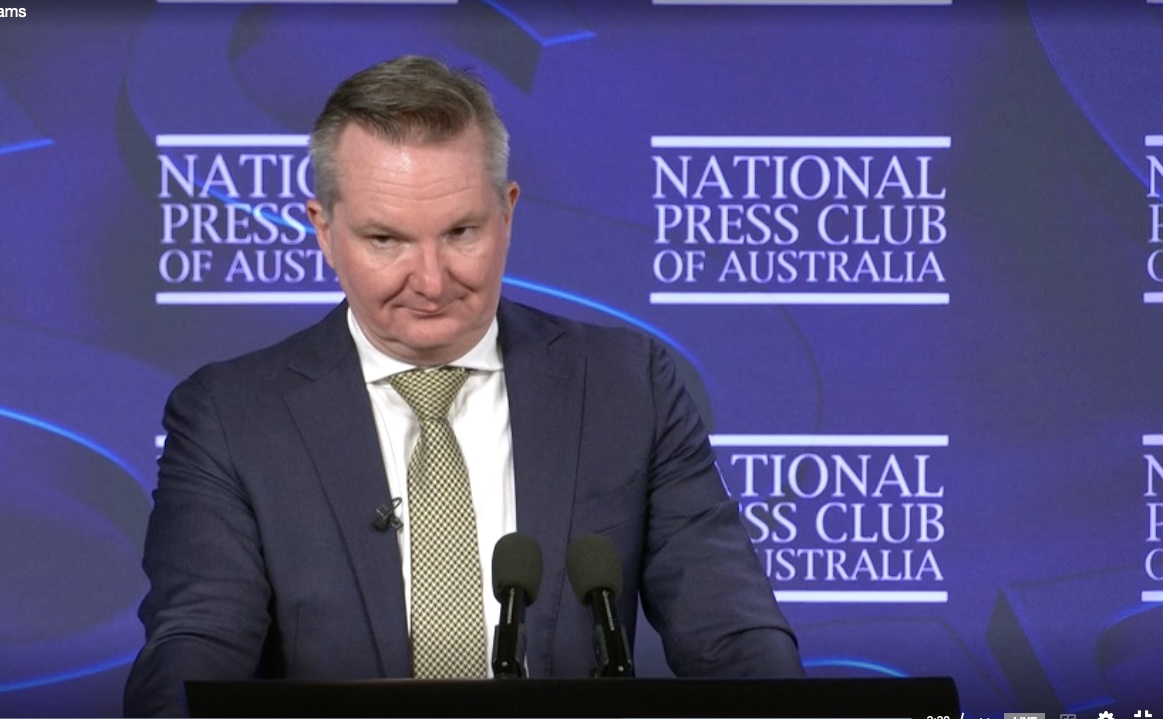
410 99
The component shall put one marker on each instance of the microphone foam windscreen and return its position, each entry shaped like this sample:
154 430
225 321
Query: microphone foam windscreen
517 563
592 563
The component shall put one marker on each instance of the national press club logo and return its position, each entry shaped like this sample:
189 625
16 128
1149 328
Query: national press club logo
842 518
1153 443
849 220
815 220
1154 151
1153 485
233 222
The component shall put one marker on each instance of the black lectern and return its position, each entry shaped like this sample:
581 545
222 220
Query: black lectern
920 698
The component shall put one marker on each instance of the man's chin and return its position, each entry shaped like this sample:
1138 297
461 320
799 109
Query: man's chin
434 348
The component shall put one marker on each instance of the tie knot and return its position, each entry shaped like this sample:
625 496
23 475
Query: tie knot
429 392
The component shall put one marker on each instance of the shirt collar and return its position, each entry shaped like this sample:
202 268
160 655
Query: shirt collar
485 356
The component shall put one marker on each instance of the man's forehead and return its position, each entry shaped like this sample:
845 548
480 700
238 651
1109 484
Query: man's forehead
413 134
359 152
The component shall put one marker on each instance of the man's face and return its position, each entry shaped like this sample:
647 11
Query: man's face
418 239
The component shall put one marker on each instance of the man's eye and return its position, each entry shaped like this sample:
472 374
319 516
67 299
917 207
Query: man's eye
463 231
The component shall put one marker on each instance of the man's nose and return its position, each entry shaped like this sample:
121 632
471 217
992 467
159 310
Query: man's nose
427 277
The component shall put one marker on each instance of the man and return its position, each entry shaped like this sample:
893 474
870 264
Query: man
263 551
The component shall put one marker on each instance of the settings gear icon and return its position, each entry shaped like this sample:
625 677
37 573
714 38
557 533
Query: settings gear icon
1105 715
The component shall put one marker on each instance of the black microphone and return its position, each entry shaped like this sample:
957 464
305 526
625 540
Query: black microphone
386 517
516 581
595 571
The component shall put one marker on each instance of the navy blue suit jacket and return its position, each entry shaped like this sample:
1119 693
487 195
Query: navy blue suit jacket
263 559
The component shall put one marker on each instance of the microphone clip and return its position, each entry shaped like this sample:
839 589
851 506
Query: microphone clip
386 517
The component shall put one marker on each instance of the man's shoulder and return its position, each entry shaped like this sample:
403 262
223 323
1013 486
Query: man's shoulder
625 356
314 346
528 322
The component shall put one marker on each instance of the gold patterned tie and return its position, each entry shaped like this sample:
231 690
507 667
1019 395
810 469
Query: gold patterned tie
448 620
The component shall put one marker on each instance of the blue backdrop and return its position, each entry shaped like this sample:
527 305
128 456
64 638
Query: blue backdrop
908 258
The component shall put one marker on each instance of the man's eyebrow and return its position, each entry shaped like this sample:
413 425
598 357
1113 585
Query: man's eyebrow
376 228
474 217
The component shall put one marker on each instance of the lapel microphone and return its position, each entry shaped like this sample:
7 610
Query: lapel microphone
386 517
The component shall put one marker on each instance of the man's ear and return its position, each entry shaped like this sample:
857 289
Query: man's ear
512 192
322 225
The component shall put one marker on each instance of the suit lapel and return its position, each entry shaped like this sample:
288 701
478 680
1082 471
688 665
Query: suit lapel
334 415
545 385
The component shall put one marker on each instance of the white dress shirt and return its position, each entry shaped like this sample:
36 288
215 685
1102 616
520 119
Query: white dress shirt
479 416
